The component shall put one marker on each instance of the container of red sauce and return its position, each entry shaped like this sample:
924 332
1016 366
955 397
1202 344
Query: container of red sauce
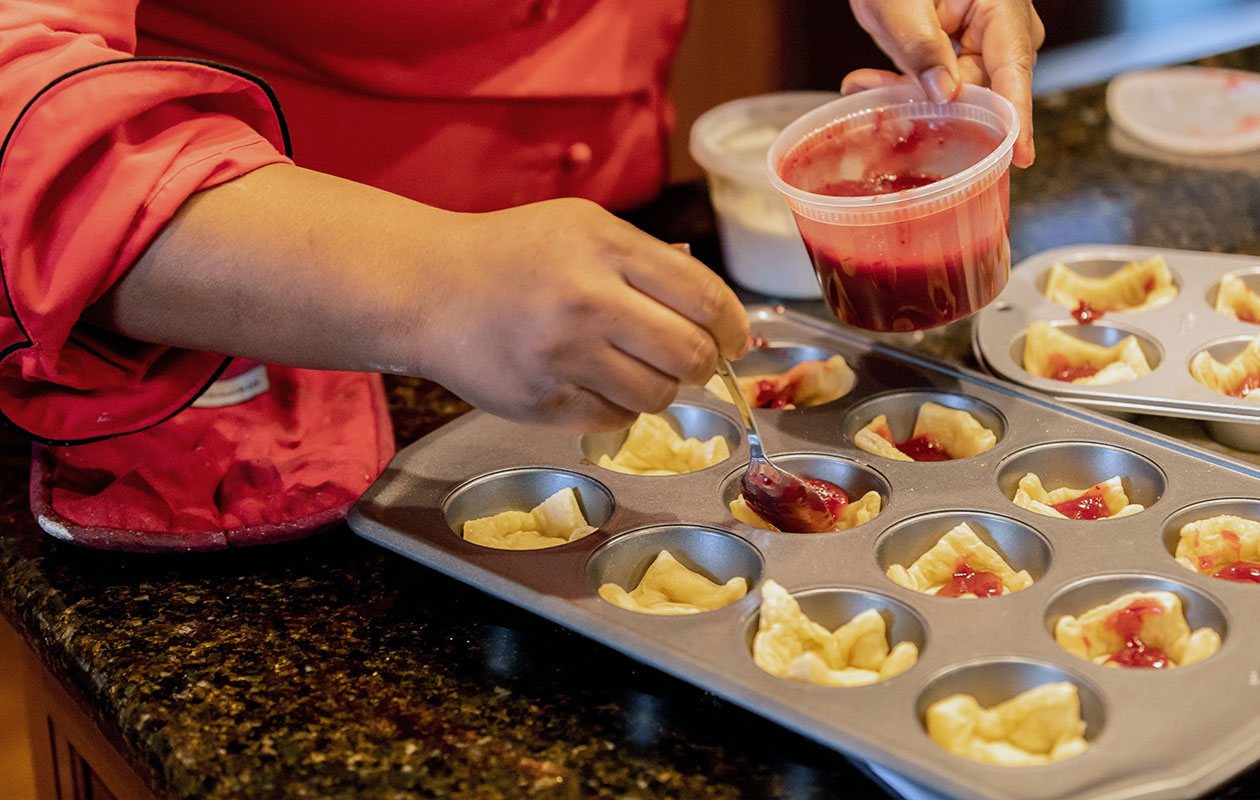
903 204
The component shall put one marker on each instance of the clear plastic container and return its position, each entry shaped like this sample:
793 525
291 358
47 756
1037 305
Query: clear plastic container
760 244
903 204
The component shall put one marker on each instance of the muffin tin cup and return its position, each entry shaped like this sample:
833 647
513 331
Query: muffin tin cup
1150 735
1171 333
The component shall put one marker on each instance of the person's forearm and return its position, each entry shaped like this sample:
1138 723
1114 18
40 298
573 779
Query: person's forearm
285 265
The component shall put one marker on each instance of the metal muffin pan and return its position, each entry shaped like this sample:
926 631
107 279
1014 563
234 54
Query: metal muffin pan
1169 335
1166 734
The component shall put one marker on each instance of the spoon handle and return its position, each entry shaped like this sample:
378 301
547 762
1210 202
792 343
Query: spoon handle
741 402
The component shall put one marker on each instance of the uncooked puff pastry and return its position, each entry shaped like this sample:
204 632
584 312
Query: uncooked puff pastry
1093 638
933 570
670 588
555 521
855 513
1207 545
809 383
954 430
1047 350
1039 726
1135 286
789 644
1030 494
653 447
1229 378
1234 298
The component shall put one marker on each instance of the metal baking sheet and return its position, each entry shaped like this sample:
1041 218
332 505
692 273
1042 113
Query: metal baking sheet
1170 334
1152 733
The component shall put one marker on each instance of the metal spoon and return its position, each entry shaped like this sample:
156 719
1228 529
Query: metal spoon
784 500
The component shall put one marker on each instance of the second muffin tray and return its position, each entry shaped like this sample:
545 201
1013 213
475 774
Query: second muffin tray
1151 733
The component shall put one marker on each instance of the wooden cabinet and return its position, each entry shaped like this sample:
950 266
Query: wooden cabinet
73 759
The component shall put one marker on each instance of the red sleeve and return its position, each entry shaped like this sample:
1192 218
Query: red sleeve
101 150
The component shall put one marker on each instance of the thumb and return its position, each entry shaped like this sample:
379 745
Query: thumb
910 32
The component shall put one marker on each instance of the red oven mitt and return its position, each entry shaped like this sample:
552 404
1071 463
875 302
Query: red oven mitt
284 463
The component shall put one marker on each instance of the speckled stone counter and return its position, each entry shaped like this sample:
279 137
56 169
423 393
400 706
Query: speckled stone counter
331 668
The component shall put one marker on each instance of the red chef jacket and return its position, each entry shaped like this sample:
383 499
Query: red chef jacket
469 106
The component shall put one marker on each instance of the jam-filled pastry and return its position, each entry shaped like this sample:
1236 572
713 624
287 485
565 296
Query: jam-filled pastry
1039 726
940 434
789 644
847 514
555 521
1239 378
1234 298
1100 501
960 564
653 447
1051 353
1135 286
809 383
1138 629
670 588
1224 546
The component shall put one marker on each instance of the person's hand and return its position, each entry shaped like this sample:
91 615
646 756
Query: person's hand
997 42
574 317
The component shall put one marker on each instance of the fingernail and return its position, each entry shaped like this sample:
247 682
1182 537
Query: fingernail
939 84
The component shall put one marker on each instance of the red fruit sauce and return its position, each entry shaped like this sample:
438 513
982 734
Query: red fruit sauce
1084 313
1090 505
1245 387
1061 369
904 274
967 581
835 497
1240 571
771 393
924 448
1127 622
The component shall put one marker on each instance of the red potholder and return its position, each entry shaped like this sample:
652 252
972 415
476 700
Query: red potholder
279 466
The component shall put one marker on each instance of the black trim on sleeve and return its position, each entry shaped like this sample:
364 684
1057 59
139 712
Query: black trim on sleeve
6 352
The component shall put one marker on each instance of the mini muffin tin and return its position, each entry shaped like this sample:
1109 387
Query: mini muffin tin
1166 734
1170 336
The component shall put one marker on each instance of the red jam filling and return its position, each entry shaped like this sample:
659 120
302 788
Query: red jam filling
1246 316
1084 313
835 497
1240 571
968 581
1127 622
774 393
1061 369
924 448
1089 505
1245 387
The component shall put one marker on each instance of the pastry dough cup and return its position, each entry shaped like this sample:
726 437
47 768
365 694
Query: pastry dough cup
714 553
996 681
833 607
1103 334
689 420
901 409
1081 465
1247 508
1080 597
521 489
1017 542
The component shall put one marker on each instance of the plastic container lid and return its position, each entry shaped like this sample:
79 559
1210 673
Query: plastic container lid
1192 110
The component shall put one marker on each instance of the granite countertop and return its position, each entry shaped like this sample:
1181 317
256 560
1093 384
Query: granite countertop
332 668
